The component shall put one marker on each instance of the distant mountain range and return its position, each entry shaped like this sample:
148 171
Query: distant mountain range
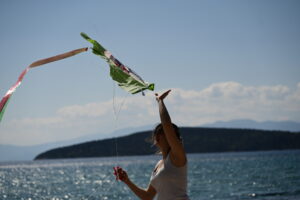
251 124
14 153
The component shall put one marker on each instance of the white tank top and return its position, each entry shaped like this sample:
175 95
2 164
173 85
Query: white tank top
170 182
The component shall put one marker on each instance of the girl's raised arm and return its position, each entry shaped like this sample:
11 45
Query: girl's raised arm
178 155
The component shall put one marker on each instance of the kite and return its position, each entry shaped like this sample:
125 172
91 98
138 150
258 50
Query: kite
127 79
6 98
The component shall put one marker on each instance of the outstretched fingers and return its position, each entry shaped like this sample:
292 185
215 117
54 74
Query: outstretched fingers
162 96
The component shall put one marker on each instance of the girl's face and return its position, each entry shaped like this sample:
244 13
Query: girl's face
160 139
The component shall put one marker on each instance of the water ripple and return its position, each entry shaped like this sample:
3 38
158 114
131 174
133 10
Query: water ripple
259 175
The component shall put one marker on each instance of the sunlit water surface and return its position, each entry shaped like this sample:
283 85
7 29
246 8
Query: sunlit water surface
273 175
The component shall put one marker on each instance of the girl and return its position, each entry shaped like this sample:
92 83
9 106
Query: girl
169 178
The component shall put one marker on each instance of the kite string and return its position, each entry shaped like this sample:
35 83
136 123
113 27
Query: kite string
116 115
116 111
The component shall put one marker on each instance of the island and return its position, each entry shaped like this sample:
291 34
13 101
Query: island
195 140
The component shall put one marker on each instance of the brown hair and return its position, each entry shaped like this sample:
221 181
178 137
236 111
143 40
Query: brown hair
159 130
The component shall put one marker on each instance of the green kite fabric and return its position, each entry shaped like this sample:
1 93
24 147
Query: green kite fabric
127 79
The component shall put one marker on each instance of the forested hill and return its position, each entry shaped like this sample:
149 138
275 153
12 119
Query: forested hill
196 140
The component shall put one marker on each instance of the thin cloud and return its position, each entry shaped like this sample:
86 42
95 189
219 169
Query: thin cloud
219 101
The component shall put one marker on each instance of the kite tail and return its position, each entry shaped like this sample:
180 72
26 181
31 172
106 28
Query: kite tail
5 99
58 57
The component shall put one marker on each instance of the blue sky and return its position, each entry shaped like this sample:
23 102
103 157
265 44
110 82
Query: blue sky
224 60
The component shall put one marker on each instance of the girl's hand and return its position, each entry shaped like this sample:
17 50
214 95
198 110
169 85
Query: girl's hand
162 96
121 174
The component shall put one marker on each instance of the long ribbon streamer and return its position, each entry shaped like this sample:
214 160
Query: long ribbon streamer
5 99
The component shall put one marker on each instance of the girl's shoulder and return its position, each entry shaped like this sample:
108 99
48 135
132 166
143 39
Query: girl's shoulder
158 165
177 161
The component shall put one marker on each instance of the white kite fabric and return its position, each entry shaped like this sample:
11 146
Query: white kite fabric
6 98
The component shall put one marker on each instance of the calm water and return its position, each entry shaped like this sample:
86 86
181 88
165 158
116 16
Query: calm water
271 175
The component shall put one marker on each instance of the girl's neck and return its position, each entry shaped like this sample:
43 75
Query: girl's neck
165 152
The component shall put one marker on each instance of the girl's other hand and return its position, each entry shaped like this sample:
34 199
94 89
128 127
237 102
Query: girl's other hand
121 174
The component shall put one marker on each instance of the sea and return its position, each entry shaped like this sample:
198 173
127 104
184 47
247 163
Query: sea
267 175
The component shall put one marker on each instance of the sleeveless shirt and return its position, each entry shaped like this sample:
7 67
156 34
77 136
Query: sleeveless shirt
170 182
